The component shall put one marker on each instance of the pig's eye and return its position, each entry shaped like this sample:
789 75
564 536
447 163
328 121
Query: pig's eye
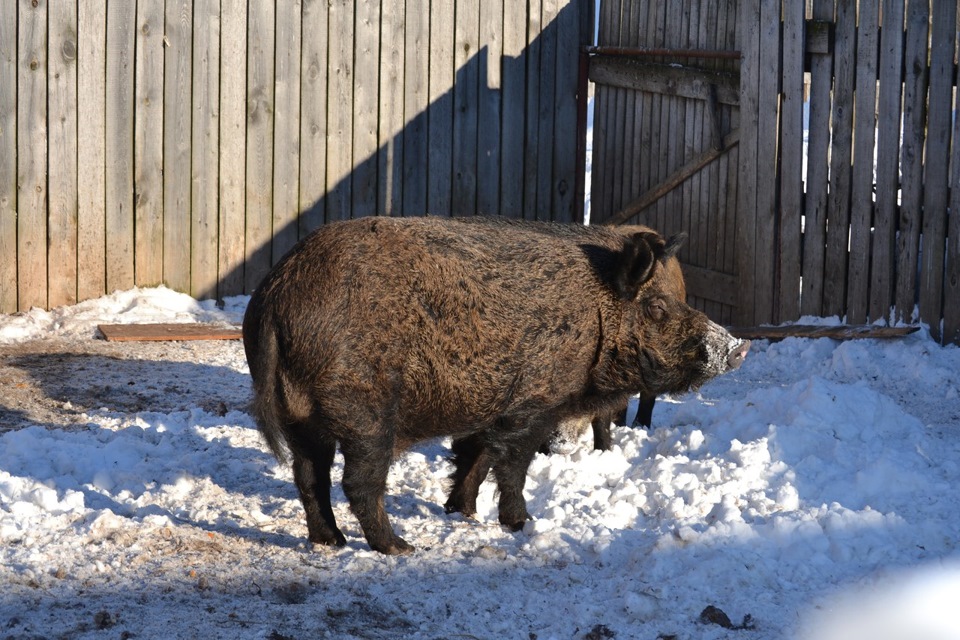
657 309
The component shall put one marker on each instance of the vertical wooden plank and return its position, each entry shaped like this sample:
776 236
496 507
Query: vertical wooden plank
490 87
626 167
91 146
313 115
390 134
747 173
532 133
121 26
888 166
513 79
547 104
259 159
765 239
8 157
440 167
148 145
466 106
838 205
204 213
233 145
791 163
415 110
911 158
564 156
951 285
937 162
600 208
864 139
366 100
177 102
32 155
62 179
286 128
815 214
658 120
340 101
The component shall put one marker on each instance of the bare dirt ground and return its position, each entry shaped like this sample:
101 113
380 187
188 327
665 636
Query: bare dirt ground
51 381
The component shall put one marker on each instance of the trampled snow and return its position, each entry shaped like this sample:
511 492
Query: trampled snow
812 494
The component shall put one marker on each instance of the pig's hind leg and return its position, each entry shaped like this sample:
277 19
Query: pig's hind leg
472 464
311 473
366 463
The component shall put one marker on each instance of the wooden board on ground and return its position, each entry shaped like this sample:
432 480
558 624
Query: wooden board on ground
172 331
840 332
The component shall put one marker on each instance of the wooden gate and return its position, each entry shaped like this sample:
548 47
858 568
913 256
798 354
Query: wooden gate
861 220
666 130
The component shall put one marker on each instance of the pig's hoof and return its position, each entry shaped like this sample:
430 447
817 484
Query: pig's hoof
396 547
335 539
456 506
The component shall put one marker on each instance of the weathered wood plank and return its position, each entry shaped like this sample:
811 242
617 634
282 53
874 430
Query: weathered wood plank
440 157
815 220
8 158
564 154
168 332
748 157
911 158
937 163
489 139
415 107
205 142
62 177
390 154
286 129
466 107
710 284
91 146
888 169
148 145
951 284
366 101
32 136
838 204
177 131
766 227
791 163
531 165
812 332
233 146
666 79
121 49
513 79
259 125
864 140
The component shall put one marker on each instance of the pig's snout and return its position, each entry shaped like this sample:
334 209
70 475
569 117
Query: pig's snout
724 352
737 354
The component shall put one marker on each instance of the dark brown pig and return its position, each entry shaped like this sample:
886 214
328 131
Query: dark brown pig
375 333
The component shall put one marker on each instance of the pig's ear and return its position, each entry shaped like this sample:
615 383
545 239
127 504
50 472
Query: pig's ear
672 247
636 264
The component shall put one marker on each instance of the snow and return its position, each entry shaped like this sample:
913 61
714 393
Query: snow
812 490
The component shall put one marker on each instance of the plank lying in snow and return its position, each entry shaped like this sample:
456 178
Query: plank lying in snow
172 331
841 332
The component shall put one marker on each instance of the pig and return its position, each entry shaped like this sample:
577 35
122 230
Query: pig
376 333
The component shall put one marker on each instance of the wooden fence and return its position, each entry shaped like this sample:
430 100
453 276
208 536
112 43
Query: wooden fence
192 142
861 220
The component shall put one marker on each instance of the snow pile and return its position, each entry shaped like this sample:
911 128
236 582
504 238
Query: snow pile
810 493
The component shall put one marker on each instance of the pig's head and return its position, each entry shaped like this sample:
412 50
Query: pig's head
671 346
